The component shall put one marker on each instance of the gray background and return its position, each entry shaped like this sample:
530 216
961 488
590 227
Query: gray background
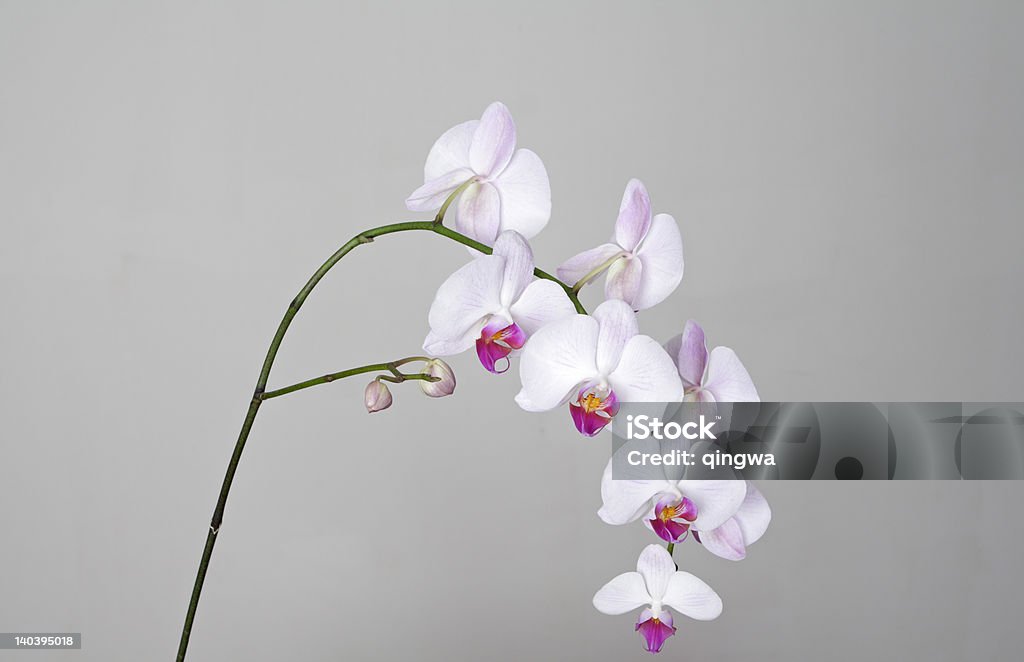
847 177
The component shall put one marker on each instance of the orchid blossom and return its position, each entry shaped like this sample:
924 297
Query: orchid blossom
657 585
592 362
494 303
496 186
715 377
744 528
644 260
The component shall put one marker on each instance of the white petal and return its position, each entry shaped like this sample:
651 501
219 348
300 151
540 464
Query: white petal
754 515
691 597
466 297
432 195
662 256
691 354
726 541
541 303
617 324
622 594
438 346
478 213
634 215
716 500
624 281
518 265
578 266
657 567
625 501
493 141
727 379
451 151
525 194
556 361
646 373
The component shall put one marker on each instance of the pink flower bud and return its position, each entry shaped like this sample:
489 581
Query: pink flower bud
445 385
377 396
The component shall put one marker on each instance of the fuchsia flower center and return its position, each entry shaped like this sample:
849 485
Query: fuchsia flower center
496 342
673 517
655 630
593 409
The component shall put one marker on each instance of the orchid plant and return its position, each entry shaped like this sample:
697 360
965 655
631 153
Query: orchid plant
492 198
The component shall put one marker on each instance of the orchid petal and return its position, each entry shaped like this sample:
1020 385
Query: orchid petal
478 212
541 303
661 253
754 515
494 141
716 500
518 265
624 281
616 325
645 373
556 360
622 594
691 354
465 298
432 195
435 345
625 501
525 194
657 567
634 215
727 379
726 541
451 151
582 264
691 597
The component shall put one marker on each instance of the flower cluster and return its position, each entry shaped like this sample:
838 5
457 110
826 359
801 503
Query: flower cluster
499 196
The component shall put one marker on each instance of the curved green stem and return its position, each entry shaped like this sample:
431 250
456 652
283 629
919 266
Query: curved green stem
335 376
260 394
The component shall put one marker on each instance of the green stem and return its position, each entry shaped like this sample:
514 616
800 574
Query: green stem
671 548
334 376
260 394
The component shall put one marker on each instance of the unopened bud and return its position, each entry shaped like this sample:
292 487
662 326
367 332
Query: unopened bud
445 385
377 396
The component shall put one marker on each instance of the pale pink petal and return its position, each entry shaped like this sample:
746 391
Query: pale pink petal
645 373
657 567
556 361
661 253
727 379
691 597
451 151
690 352
432 195
542 302
518 271
494 141
617 324
754 515
634 215
525 194
622 594
479 213
624 281
466 297
624 501
726 541
578 266
716 500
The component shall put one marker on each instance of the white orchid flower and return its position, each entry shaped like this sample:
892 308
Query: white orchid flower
715 377
731 539
503 188
593 362
644 260
495 303
657 585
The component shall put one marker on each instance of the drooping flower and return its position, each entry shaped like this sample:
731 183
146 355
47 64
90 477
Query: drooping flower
593 362
657 585
731 539
494 303
446 379
701 505
644 260
715 377
506 188
376 397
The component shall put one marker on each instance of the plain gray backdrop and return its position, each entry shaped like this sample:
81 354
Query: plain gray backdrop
848 181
